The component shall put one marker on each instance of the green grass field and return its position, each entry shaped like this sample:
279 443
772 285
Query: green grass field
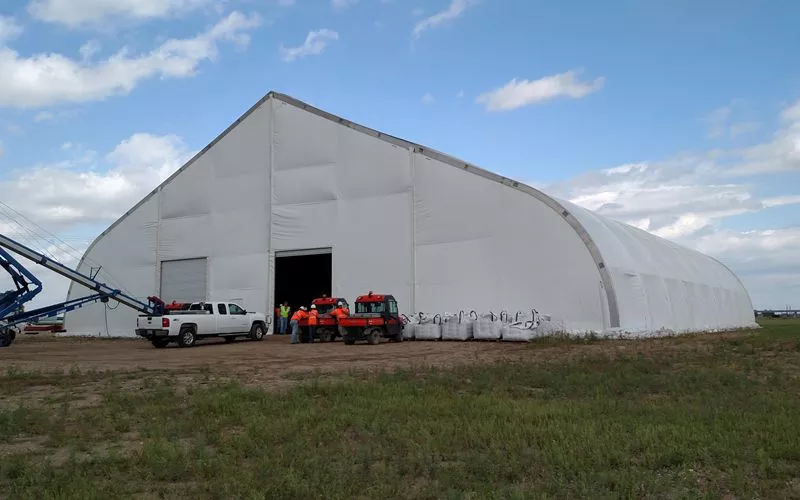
689 417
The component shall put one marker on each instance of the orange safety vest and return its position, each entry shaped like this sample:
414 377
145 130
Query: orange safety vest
298 315
312 317
340 312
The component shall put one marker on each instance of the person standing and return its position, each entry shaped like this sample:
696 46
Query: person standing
313 320
284 319
295 323
340 312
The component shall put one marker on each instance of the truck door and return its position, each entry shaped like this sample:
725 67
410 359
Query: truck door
239 319
393 322
225 322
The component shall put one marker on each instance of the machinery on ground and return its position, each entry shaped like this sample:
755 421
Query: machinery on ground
376 316
199 320
327 325
27 286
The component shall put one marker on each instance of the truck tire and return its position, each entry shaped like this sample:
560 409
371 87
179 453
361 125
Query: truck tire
374 336
325 335
257 331
160 343
187 337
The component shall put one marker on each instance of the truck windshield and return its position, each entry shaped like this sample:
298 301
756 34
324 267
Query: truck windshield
370 307
324 308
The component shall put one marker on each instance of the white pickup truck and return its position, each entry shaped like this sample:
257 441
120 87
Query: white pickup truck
201 320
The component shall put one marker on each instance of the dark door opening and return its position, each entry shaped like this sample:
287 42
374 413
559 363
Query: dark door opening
301 278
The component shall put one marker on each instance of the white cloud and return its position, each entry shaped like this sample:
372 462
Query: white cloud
428 98
792 113
686 199
80 190
721 124
9 28
48 79
74 13
315 43
453 11
44 116
89 49
343 4
83 191
518 93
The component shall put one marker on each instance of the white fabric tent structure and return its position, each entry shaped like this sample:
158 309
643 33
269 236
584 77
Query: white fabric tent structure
396 217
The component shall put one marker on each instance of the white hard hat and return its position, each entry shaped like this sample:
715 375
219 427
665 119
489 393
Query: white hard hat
313 306
303 308
339 303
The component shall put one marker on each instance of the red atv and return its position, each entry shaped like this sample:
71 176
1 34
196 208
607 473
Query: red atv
375 316
327 326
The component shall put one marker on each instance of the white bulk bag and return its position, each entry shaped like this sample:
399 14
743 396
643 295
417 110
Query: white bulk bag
459 327
429 328
524 328
487 327
410 325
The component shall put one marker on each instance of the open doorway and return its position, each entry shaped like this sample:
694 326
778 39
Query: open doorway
302 275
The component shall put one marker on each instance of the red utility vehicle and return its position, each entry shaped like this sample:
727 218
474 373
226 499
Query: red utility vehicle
375 316
327 326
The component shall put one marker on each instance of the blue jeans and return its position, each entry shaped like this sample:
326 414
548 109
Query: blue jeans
282 322
295 328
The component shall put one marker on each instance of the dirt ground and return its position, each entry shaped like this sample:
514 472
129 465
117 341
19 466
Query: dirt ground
272 358
275 362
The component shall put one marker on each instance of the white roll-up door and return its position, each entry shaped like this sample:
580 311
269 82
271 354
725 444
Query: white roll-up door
184 280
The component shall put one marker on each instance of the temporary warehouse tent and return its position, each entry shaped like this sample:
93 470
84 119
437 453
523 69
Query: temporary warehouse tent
291 202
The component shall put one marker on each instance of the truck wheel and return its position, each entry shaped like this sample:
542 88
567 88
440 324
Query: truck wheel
187 337
257 332
374 337
325 335
160 343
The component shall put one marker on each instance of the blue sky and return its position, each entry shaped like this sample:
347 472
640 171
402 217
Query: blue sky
110 96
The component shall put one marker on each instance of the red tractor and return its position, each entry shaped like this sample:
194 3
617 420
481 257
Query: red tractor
376 316
327 326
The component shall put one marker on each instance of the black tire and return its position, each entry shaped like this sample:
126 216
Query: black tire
187 337
257 332
325 335
374 337
160 343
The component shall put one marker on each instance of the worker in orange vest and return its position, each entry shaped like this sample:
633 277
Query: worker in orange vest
300 314
340 312
313 320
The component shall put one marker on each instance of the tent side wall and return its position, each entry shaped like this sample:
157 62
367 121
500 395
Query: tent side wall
214 208
664 286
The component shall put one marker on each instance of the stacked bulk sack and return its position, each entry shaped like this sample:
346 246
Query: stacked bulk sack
523 328
410 326
487 327
459 326
428 328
